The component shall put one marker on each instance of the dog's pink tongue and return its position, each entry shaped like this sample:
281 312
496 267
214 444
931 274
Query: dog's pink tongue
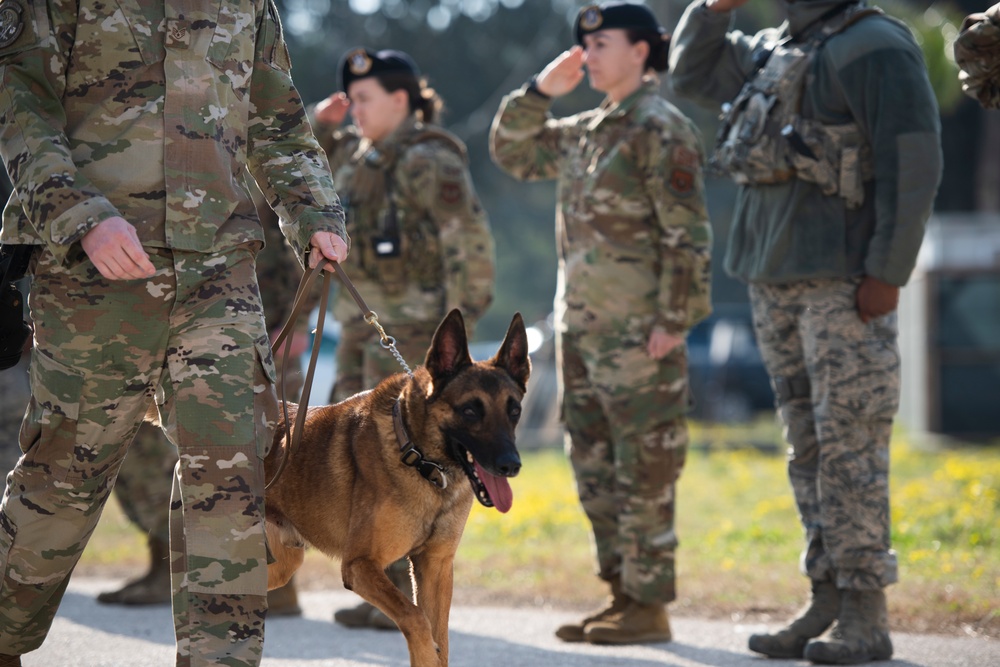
498 488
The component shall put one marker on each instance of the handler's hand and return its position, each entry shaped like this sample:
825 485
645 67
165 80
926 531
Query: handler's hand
114 248
563 74
875 298
333 109
661 343
327 245
721 6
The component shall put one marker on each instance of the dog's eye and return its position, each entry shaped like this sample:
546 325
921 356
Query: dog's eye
514 411
471 411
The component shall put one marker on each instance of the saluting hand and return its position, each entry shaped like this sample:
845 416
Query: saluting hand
563 74
114 248
724 5
333 109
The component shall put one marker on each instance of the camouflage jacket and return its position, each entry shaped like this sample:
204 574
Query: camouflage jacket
151 111
977 52
423 243
633 235
871 74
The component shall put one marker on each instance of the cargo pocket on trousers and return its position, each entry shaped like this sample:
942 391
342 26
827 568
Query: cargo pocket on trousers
53 413
265 401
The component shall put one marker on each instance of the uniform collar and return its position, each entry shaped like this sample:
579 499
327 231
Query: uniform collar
610 110
384 152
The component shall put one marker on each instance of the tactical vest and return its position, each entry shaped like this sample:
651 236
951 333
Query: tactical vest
395 247
763 138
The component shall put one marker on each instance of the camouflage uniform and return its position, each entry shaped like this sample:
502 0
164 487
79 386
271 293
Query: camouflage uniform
14 393
805 251
444 257
977 52
145 479
150 112
633 240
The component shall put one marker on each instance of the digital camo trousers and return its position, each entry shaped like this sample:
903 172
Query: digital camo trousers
836 382
193 337
626 436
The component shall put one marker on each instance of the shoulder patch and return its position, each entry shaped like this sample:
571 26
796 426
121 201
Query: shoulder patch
16 26
450 192
685 157
681 182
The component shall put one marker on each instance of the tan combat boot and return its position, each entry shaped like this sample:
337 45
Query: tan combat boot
10 660
617 601
790 641
637 623
284 601
153 587
861 633
367 615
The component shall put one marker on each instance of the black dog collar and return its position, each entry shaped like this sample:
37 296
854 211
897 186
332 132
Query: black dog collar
411 456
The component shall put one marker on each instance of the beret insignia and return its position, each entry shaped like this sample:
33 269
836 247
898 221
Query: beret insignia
591 18
359 62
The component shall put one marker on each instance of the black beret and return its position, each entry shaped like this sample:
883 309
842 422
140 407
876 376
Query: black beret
361 63
624 15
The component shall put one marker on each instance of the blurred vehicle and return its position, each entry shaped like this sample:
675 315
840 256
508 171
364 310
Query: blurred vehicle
727 376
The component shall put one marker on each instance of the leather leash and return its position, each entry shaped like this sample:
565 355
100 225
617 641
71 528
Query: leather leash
294 436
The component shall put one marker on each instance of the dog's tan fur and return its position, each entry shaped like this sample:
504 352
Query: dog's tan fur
346 492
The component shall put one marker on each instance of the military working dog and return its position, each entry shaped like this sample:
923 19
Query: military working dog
393 471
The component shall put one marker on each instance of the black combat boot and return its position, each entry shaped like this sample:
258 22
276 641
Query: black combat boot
790 641
860 635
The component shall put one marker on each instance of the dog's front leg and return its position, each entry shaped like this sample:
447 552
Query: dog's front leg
288 551
366 578
434 573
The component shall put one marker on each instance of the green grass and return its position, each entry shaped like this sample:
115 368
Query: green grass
739 532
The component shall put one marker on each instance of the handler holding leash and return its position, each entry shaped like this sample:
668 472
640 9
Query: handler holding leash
126 131
634 243
423 241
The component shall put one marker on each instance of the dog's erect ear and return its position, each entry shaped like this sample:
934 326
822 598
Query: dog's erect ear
513 354
449 351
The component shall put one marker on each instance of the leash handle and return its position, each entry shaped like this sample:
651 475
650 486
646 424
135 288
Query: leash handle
294 436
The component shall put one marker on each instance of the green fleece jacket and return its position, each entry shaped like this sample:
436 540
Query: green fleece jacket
873 74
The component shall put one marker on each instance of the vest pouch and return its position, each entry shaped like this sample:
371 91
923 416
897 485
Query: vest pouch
751 150
834 158
426 265
388 265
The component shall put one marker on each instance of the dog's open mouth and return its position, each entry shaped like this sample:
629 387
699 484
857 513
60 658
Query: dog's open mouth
490 490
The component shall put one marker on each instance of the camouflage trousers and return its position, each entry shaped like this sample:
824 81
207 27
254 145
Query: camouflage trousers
626 437
836 383
362 362
191 338
145 480
14 393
